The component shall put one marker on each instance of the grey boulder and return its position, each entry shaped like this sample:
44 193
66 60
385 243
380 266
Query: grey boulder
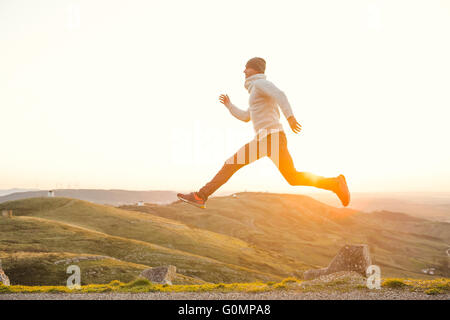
161 275
354 257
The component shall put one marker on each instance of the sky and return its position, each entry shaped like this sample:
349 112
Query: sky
124 94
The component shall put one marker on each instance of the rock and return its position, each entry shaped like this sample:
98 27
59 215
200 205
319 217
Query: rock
341 278
314 273
4 278
7 213
161 275
350 258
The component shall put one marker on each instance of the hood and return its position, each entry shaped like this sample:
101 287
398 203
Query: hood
249 81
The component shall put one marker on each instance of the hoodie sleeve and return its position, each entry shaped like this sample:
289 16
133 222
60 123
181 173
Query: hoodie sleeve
269 89
243 115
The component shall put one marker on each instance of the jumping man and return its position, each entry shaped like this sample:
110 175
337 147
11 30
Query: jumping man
270 139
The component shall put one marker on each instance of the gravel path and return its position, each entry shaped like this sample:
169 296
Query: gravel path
384 294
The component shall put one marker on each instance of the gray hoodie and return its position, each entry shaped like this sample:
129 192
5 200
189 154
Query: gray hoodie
264 100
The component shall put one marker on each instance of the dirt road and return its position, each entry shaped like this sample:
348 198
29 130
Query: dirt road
383 294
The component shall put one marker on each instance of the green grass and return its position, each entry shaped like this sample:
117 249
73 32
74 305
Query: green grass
303 229
33 236
49 269
253 237
143 285
116 232
41 268
394 283
432 287
441 284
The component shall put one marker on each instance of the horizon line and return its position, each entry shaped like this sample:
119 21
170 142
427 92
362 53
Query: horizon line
218 193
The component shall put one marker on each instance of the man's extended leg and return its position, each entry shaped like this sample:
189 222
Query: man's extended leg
286 166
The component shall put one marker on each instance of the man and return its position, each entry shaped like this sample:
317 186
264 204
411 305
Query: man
270 139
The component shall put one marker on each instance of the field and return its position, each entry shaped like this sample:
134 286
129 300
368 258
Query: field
253 237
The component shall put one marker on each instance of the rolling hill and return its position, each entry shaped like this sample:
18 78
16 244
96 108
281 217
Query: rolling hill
76 226
249 237
307 230
426 205
4 192
110 197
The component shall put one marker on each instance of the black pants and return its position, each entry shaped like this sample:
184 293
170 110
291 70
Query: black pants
274 145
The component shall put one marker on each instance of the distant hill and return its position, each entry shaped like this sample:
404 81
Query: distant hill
427 205
5 192
100 196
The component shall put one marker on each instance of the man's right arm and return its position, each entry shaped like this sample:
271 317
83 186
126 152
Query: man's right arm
243 115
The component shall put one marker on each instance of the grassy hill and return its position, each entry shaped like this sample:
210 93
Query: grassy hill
49 268
251 237
425 205
70 225
36 235
109 197
307 230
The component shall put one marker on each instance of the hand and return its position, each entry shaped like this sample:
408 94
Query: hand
225 99
295 126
